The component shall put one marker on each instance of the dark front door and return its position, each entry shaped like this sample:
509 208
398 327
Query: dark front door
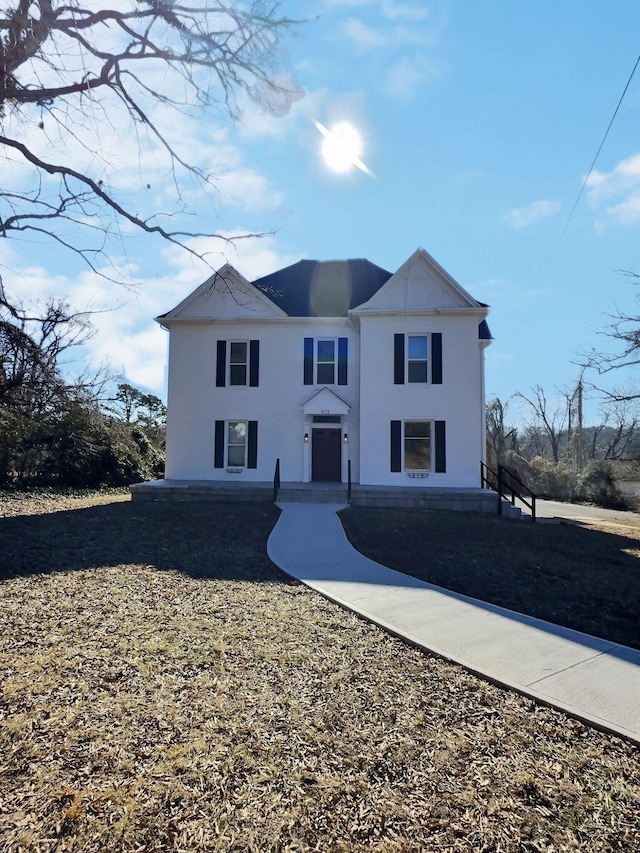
326 455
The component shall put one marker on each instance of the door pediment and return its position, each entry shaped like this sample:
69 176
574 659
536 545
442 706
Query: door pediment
325 402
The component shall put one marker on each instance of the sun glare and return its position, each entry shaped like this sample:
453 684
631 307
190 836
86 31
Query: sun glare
341 147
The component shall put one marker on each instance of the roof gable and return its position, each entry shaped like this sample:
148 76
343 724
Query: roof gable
226 295
322 288
420 284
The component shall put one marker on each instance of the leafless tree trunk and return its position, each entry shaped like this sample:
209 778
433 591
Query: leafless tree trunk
500 437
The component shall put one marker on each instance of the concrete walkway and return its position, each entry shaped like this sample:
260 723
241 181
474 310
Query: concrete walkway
592 679
579 512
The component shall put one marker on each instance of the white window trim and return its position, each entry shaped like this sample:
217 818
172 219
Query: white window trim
316 342
418 471
408 335
245 384
228 444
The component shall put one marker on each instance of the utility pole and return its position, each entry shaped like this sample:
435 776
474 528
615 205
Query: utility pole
579 429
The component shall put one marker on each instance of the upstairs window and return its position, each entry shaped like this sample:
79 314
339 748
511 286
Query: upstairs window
325 361
237 363
417 359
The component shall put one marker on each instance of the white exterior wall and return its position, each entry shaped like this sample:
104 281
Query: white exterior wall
195 403
458 400
419 299
191 354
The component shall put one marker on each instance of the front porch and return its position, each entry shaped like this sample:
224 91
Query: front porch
460 500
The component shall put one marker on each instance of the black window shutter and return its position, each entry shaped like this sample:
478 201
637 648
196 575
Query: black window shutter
343 344
441 448
252 445
254 363
398 360
436 358
218 445
308 361
396 445
221 364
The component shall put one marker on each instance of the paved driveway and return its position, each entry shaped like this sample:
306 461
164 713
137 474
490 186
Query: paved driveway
577 512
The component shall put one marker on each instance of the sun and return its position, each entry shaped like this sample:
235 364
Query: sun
342 147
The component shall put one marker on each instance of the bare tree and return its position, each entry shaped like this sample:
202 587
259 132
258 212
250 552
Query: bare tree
624 331
32 343
54 431
71 71
550 420
619 428
500 436
32 391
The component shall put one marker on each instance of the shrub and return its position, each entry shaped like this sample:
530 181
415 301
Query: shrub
598 485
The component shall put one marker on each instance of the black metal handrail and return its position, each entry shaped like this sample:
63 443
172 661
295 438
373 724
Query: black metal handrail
276 481
349 481
488 477
508 486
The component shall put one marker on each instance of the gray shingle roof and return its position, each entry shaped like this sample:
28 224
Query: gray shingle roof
323 288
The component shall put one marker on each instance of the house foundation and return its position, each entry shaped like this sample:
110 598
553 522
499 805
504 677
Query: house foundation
391 497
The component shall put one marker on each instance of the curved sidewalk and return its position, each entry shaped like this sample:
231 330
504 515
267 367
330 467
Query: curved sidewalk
595 680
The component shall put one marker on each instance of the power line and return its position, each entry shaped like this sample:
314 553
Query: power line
573 209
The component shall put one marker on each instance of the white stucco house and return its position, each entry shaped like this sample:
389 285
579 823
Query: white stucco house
328 363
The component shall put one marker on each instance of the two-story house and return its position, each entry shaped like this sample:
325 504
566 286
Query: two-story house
325 363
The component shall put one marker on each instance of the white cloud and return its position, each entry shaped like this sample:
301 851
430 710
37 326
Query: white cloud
102 141
366 38
622 186
390 9
409 11
137 171
400 37
622 178
627 212
126 337
247 189
521 217
407 76
363 37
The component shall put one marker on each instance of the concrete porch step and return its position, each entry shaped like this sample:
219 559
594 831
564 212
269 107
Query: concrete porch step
510 510
334 493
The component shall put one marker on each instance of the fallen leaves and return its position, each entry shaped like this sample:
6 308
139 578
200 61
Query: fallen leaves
192 701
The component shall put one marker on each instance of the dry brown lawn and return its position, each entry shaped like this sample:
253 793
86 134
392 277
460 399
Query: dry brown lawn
584 576
164 688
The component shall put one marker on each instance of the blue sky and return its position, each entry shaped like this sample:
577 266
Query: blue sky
480 119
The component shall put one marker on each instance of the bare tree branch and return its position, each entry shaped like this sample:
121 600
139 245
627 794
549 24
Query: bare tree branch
623 331
76 64
553 419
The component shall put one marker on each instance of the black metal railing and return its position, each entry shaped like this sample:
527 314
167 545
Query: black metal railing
349 481
508 486
276 481
488 477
